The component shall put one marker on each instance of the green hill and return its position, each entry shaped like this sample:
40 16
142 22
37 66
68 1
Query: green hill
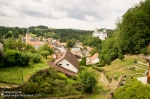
131 36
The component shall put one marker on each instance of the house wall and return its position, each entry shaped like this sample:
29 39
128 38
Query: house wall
101 35
95 60
70 67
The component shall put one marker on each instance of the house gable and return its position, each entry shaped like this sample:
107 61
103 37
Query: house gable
66 64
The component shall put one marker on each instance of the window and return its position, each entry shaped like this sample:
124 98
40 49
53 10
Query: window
67 64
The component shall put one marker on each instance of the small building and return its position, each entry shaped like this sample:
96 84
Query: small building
67 64
77 52
102 35
92 60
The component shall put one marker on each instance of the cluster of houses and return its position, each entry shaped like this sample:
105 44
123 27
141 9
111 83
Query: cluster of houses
66 60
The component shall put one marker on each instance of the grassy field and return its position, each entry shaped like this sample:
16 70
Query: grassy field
13 74
119 67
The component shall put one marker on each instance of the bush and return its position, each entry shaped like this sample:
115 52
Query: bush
25 59
82 68
74 78
98 68
30 87
62 76
13 57
77 86
46 88
58 82
35 58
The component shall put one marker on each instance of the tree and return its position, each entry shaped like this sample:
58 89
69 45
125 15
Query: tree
83 61
121 57
131 35
29 48
44 53
133 90
46 50
71 43
87 80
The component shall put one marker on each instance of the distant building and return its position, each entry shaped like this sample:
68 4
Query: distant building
35 42
102 35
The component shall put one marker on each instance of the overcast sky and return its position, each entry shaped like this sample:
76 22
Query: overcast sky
76 14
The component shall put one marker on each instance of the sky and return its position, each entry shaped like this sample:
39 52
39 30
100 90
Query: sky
75 14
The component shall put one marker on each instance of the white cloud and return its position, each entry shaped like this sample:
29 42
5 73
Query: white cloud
80 14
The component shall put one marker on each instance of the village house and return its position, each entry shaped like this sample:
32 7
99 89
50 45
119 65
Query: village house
58 46
85 52
93 59
67 64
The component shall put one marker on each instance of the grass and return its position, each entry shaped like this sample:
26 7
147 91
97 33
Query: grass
13 74
32 35
118 67
100 92
121 66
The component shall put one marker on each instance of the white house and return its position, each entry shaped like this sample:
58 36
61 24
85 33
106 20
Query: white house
102 35
93 60
67 64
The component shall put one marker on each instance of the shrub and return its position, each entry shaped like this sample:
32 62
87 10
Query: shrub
77 86
13 57
58 82
62 76
37 58
30 87
46 88
74 78
25 59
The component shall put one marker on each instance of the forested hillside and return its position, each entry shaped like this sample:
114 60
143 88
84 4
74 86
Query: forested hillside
131 36
65 35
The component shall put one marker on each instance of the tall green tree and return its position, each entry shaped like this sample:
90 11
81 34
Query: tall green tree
87 80
46 50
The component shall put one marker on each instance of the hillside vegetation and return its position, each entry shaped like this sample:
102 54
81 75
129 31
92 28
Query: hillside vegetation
131 35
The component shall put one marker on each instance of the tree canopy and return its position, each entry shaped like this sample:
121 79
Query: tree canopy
133 90
87 80
131 35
